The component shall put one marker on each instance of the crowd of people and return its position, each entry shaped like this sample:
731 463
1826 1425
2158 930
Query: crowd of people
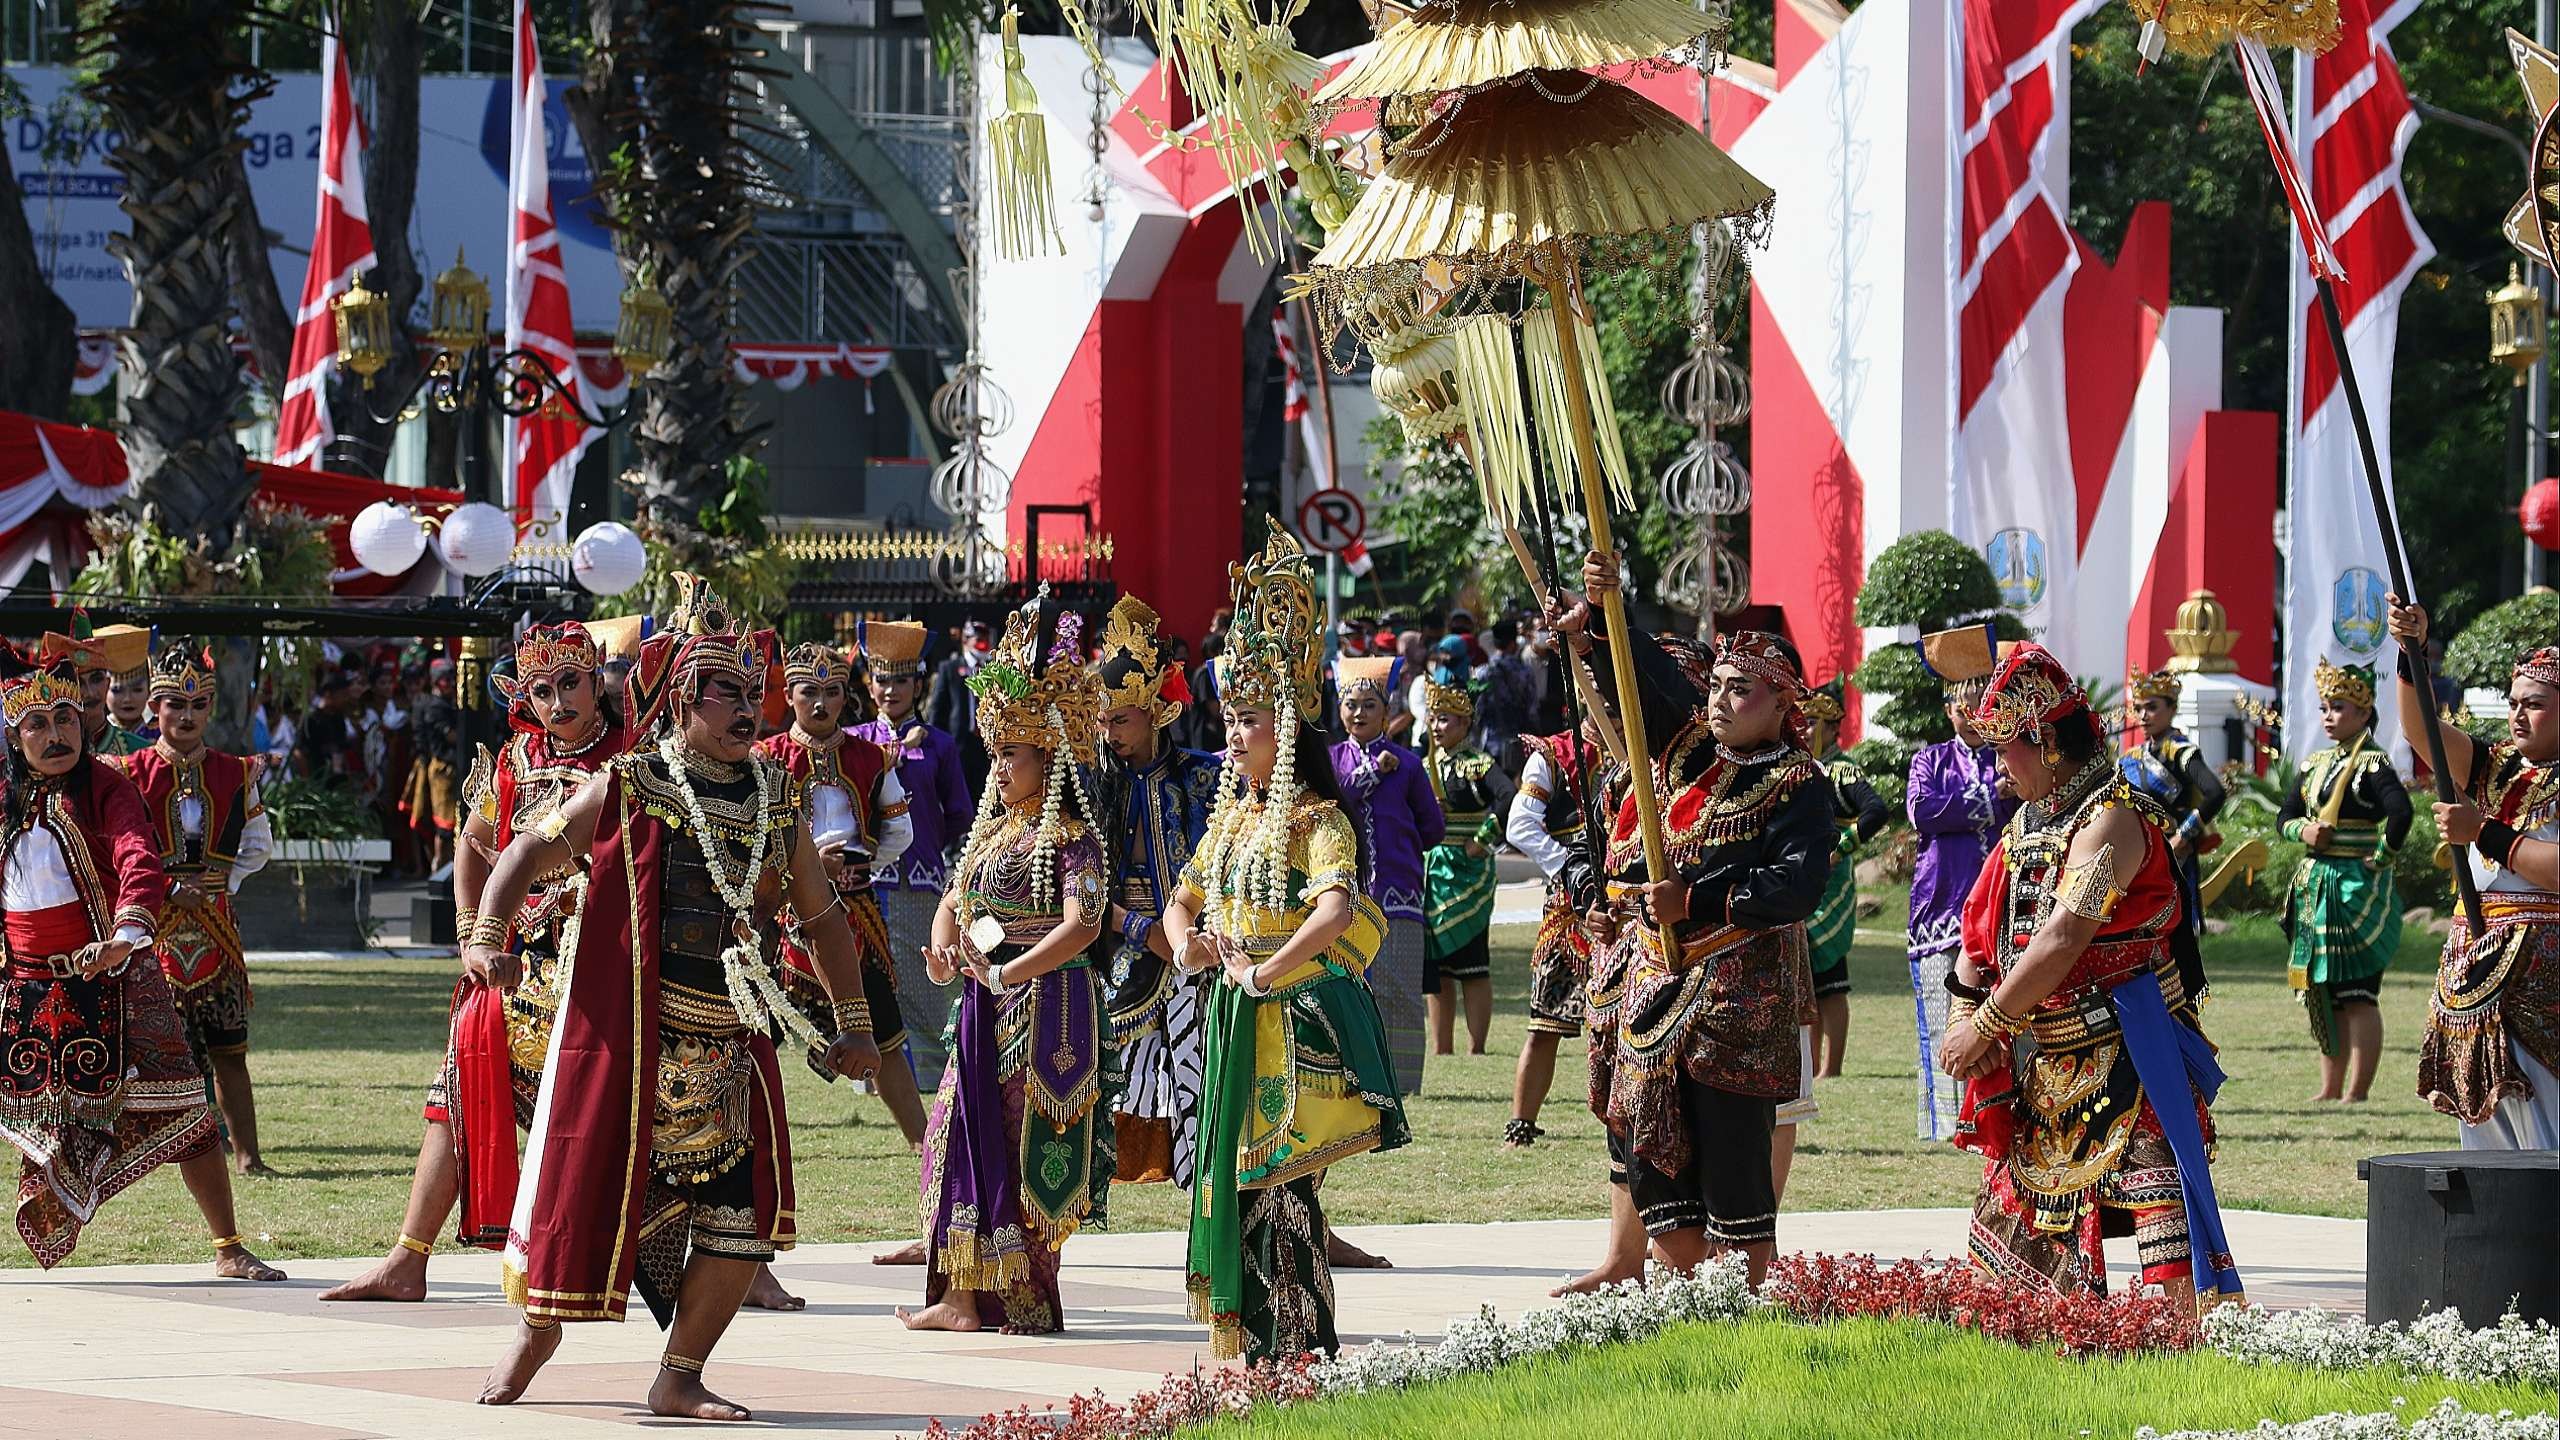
1198 965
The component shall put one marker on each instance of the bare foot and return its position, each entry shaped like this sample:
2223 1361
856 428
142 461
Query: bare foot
945 1316
1341 1254
254 1166
1600 1277
2356 1099
680 1396
910 1254
766 1293
402 1275
524 1359
234 1262
2325 1097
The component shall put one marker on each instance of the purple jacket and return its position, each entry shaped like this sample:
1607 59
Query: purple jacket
1956 806
1400 815
937 801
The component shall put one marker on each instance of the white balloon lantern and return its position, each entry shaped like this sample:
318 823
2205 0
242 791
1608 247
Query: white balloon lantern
477 539
387 538
608 558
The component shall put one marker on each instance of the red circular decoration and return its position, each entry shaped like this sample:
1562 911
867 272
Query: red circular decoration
2541 513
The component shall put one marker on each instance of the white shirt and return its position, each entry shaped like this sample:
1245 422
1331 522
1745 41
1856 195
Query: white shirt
832 821
1527 827
40 879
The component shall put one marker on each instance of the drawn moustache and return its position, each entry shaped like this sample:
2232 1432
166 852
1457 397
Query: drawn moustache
56 751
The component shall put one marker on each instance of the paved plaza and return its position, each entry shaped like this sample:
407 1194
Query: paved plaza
135 1351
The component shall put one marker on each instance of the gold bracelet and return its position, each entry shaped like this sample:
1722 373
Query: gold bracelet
465 921
1995 1024
852 1017
489 931
415 1246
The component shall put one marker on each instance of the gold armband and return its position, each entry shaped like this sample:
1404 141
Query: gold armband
2089 890
852 1017
553 825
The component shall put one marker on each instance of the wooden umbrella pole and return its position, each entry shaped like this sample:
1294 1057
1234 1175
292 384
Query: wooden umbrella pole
1583 684
1564 286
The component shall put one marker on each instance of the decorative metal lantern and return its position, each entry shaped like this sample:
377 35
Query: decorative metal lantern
458 316
2516 325
364 330
647 332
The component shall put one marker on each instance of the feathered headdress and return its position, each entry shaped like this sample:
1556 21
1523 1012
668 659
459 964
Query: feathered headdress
1135 668
1272 660
1033 688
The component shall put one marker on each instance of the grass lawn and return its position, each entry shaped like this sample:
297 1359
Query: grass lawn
344 1051
1875 1379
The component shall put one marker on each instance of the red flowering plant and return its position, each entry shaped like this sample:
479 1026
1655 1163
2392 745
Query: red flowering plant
1181 1401
1840 1287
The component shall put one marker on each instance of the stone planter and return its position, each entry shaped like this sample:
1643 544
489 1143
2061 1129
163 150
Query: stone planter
312 895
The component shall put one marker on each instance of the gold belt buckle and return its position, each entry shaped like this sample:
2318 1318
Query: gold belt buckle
65 966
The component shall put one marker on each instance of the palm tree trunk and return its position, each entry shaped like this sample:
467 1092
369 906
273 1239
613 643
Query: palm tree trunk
264 320
681 206
174 79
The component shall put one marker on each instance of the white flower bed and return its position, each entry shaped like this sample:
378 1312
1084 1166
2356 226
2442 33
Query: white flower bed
2438 1344
1483 1342
2448 1421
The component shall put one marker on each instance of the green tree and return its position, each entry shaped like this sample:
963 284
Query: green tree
1925 581
2486 650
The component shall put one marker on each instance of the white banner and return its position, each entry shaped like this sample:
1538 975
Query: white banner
59 152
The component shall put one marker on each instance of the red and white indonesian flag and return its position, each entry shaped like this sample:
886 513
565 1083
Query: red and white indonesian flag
2013 493
542 449
2351 124
341 249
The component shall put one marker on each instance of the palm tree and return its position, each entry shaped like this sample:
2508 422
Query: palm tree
660 112
175 79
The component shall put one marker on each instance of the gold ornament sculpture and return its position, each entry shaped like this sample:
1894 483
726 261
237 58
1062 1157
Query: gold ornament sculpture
2200 27
1521 171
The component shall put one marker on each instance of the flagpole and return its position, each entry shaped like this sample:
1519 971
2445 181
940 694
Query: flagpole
2421 674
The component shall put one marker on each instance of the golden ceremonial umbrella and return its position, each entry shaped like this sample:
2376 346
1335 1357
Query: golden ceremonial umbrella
1525 176
2201 27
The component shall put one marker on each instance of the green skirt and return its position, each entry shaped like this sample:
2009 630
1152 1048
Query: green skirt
2344 917
1338 1052
1457 902
1835 921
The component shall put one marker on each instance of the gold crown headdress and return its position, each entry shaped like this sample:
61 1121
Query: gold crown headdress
1439 699
545 652
2030 693
29 683
894 649
2158 685
1272 660
1035 690
182 671
1135 669
2350 683
815 665
1828 705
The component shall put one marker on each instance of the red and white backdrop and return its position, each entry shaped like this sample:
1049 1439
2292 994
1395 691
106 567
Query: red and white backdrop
2351 125
1933 346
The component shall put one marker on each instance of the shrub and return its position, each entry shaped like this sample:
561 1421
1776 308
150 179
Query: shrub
2486 652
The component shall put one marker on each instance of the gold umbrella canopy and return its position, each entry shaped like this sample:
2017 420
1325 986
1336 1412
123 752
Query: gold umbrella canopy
2201 27
1469 43
1507 174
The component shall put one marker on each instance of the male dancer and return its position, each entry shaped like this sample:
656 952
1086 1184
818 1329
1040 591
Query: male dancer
661 1150
566 728
1547 821
2172 769
939 808
213 834
857 814
1154 800
100 1089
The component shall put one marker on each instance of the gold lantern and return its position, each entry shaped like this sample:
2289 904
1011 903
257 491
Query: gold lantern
647 332
2516 324
364 330
458 316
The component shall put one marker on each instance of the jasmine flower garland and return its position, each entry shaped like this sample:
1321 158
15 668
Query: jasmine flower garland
754 990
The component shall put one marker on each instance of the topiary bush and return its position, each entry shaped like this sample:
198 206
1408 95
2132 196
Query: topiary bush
1926 581
2487 650
1929 579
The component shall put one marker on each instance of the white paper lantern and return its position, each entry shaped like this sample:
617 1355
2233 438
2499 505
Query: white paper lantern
608 558
387 538
477 539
